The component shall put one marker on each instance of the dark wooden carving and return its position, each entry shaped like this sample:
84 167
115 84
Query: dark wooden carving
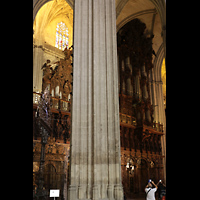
59 79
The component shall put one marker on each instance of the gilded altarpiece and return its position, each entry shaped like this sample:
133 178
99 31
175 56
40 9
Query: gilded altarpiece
57 79
55 167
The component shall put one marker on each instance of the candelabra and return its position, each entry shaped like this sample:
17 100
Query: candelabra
130 166
44 123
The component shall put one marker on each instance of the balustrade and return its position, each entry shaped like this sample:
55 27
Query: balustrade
56 103
36 97
130 120
127 119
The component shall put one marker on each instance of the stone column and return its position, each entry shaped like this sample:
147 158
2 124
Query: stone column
159 111
162 119
95 165
153 93
37 64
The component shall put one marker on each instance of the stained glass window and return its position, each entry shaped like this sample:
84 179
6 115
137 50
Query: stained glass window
62 36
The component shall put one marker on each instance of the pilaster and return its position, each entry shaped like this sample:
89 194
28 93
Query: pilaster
37 64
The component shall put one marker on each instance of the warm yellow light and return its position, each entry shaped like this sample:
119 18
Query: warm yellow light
163 77
48 17
127 165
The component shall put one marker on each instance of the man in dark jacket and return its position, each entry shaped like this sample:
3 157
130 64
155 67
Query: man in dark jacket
124 196
161 190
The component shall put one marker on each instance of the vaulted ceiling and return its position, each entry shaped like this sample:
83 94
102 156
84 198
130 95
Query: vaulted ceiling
47 18
151 12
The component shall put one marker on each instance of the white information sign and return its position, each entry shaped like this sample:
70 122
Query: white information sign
54 193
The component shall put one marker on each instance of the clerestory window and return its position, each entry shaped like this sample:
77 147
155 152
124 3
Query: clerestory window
62 36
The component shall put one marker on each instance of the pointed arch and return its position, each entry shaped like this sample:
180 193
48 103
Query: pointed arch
158 62
37 4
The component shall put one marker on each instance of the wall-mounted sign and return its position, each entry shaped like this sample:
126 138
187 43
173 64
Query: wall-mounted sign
54 193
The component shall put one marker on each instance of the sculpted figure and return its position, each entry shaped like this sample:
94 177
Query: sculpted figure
47 72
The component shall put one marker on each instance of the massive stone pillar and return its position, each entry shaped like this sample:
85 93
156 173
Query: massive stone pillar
37 64
95 165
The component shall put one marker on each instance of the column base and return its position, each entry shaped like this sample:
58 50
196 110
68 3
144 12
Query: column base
118 192
72 192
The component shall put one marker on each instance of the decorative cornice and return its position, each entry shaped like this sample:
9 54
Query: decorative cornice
50 50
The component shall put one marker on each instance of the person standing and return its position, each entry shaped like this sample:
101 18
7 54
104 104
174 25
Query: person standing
124 196
150 191
161 190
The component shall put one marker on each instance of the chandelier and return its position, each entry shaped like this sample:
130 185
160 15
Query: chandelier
130 166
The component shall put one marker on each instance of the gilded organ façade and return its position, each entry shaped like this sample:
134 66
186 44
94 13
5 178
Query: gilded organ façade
140 135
